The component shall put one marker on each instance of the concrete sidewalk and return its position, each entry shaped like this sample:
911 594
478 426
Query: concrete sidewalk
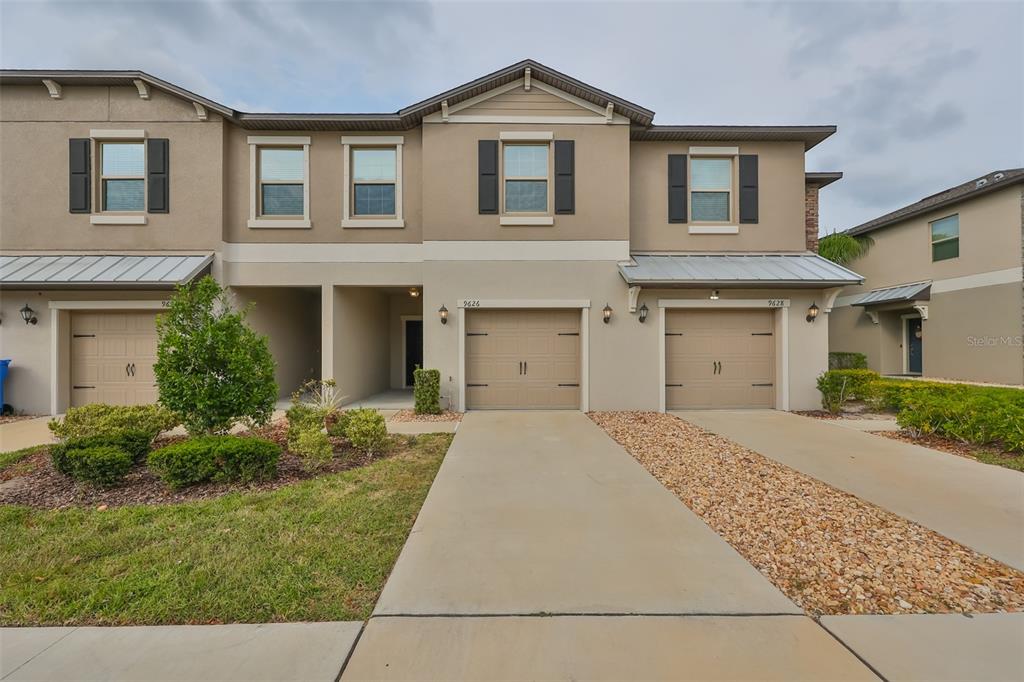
978 505
25 433
281 651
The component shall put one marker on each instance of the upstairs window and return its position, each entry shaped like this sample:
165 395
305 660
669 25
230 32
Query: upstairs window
282 179
374 180
526 178
123 176
945 238
710 190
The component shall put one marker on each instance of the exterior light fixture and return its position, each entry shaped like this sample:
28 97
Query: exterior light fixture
643 313
28 315
414 292
812 312
714 294
442 312
607 313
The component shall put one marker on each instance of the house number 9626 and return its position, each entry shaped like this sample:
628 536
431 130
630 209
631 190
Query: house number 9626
472 303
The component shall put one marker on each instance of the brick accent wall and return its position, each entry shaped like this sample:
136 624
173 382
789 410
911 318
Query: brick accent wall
811 216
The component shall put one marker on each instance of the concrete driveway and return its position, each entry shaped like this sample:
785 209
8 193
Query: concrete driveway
544 551
978 505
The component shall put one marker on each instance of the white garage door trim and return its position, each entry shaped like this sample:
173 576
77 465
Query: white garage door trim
58 331
781 307
582 304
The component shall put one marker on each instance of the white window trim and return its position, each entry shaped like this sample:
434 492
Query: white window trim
714 226
98 215
714 229
117 134
582 304
117 219
781 307
932 241
511 219
257 221
347 219
525 218
527 136
714 151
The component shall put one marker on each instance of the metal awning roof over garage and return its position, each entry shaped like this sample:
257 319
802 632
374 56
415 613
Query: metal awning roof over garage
756 270
918 291
110 271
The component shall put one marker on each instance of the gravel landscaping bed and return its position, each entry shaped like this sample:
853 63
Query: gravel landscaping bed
828 551
411 416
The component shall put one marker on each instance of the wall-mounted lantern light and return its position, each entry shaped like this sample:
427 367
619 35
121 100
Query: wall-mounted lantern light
812 312
643 312
442 312
607 313
414 292
714 295
28 315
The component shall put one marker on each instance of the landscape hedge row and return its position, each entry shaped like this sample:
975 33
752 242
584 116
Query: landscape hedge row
215 458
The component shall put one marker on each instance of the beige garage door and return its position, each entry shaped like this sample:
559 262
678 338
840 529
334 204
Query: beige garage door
719 359
112 356
523 359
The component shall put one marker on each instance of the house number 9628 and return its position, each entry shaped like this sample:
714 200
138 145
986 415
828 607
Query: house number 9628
776 303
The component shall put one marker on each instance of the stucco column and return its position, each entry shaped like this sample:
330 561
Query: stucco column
327 331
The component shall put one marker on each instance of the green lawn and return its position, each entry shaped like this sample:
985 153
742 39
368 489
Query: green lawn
14 456
313 551
1010 461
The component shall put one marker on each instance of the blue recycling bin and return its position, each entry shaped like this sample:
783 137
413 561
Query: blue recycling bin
3 380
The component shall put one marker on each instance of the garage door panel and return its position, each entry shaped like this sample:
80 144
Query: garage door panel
104 345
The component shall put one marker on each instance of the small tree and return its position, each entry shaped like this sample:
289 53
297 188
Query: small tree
211 368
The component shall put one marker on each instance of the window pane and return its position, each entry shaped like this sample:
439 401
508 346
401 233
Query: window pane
375 200
123 159
711 173
124 195
526 160
282 164
373 164
282 199
709 206
526 196
947 249
946 228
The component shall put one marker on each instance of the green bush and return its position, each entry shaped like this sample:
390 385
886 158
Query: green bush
314 447
134 443
367 431
839 386
103 465
211 367
426 390
101 420
840 360
215 458
339 426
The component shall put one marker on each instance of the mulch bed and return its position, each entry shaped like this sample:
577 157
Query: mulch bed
818 414
38 484
828 551
411 416
953 447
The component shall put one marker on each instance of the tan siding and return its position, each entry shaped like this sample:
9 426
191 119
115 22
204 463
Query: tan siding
519 102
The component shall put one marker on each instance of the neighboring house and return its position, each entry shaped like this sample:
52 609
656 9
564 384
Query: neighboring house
539 241
942 295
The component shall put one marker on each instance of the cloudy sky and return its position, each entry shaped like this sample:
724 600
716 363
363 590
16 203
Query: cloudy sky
925 94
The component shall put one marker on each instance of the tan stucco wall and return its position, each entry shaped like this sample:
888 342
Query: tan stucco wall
450 198
624 354
400 304
34 134
290 319
28 386
780 225
326 178
361 349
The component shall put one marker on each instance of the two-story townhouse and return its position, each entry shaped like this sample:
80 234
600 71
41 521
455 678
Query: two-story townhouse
942 295
538 240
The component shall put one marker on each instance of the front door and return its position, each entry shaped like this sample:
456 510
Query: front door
914 334
413 349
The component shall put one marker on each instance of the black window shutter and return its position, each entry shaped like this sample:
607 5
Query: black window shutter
488 176
158 166
677 188
748 188
565 174
79 172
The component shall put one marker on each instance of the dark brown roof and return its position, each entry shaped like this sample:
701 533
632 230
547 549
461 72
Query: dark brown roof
822 179
967 190
809 135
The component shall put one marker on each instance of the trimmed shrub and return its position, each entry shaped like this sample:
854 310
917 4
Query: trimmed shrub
314 447
426 390
367 431
102 420
839 386
339 426
215 458
103 465
134 443
840 360
211 367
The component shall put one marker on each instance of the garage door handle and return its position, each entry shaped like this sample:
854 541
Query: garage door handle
520 368
762 384
568 333
568 385
475 385
83 336
673 333
133 369
760 333
476 333
127 371
526 367
674 385
83 387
